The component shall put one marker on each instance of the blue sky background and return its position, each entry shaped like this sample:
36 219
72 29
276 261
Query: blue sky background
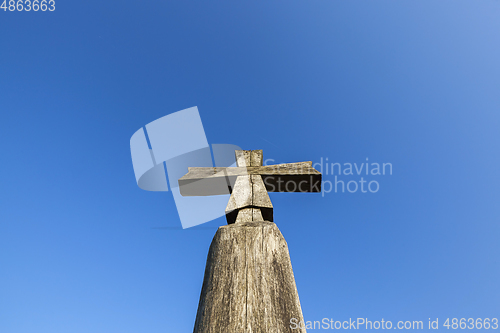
412 83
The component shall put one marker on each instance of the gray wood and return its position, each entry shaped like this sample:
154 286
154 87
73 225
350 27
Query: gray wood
249 192
247 158
242 194
243 158
249 285
256 158
301 177
260 197
249 199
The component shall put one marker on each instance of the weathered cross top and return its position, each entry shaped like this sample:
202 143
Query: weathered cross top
248 184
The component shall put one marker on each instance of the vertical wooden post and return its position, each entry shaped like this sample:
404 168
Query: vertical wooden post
249 285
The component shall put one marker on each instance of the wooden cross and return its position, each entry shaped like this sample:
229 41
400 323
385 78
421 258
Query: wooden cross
249 184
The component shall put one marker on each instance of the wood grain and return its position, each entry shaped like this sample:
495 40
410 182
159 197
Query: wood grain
249 285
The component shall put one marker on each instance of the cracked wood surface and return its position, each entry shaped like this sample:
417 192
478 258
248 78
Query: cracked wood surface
249 285
249 199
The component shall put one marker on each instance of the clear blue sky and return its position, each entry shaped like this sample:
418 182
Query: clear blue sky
412 83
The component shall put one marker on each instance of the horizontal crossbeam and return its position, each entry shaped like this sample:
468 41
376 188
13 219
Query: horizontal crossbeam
289 177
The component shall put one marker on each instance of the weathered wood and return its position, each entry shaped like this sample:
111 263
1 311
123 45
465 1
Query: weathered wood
260 198
289 177
249 199
243 158
256 157
249 285
249 193
249 184
247 158
247 215
242 194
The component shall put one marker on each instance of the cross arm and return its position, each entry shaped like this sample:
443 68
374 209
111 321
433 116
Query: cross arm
289 177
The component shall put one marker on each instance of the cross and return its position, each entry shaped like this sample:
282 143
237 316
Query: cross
249 184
